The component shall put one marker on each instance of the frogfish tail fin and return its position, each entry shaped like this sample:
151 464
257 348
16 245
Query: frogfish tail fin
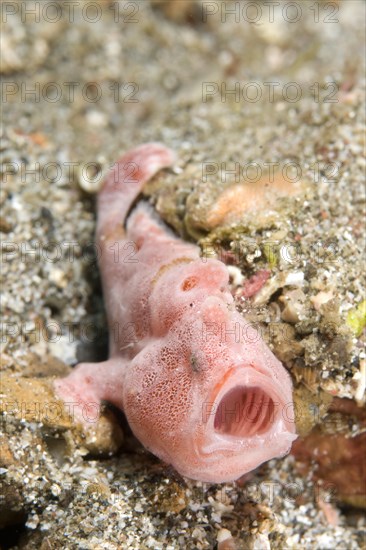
125 181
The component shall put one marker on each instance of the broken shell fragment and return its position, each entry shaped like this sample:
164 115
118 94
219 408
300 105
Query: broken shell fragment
294 309
321 298
293 278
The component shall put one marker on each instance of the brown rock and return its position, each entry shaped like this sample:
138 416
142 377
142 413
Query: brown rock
33 400
337 459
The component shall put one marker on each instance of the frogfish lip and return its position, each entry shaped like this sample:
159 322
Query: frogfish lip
249 419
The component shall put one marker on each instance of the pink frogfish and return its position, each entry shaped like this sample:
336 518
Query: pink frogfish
199 387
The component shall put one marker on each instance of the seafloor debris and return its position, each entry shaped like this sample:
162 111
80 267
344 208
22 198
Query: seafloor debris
335 452
187 11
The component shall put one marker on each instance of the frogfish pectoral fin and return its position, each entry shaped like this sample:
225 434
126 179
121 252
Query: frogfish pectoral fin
88 385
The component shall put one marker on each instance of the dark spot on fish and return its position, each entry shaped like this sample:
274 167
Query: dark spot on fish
194 363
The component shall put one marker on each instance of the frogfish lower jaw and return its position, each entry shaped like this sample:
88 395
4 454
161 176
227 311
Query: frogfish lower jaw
249 421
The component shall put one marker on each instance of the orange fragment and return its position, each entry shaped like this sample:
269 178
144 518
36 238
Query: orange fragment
249 197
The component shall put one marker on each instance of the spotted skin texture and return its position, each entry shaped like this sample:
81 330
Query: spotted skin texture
199 387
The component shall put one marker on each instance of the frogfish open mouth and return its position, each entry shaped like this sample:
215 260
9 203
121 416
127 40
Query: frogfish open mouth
199 387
